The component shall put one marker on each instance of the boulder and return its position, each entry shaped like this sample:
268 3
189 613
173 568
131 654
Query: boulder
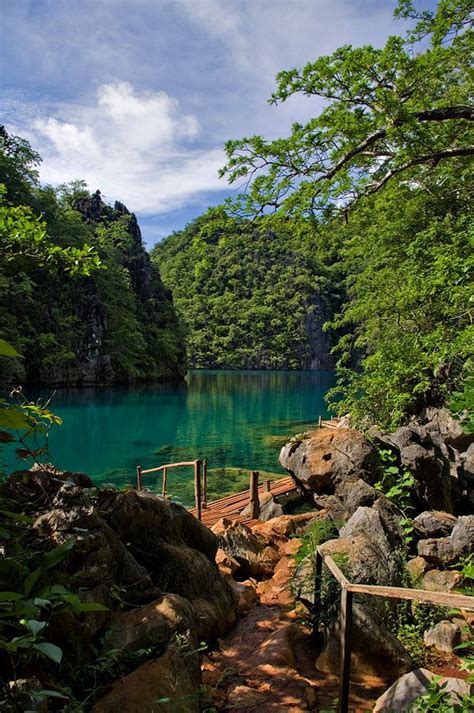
440 423
434 523
321 459
244 698
276 650
256 555
447 550
444 636
269 507
152 625
245 593
287 525
177 551
379 523
428 463
417 567
169 684
442 580
402 694
462 536
374 650
366 561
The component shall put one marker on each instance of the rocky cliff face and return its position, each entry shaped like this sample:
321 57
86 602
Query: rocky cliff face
320 342
116 326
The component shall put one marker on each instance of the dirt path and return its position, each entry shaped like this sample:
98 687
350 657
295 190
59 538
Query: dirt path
267 662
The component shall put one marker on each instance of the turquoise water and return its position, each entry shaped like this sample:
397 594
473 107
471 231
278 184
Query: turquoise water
232 418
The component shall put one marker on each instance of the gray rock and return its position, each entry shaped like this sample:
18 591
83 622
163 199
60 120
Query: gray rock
321 459
462 536
428 464
374 525
269 508
442 580
434 523
374 651
447 550
402 694
440 422
444 636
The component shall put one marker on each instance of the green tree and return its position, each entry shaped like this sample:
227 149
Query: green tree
398 110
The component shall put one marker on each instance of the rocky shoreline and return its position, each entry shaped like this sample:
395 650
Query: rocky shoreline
170 589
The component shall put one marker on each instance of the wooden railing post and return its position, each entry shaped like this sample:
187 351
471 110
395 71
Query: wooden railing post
139 477
254 501
163 492
268 485
197 487
318 582
204 483
345 670
320 422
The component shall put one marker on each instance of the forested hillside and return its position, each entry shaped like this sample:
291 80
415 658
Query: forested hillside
115 324
253 295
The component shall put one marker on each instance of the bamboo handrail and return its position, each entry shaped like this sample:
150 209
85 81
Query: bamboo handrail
168 465
348 589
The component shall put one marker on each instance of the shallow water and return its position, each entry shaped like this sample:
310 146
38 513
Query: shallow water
235 419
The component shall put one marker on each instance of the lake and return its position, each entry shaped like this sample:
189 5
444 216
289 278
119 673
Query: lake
238 420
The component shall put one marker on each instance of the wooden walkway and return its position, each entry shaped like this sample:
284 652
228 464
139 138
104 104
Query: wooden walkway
232 505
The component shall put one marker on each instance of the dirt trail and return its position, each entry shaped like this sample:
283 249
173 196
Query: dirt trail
268 661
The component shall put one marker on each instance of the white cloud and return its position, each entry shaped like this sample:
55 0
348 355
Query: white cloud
139 147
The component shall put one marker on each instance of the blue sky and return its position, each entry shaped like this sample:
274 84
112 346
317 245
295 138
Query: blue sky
138 97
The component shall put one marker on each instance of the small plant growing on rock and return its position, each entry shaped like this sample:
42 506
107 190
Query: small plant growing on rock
397 484
438 699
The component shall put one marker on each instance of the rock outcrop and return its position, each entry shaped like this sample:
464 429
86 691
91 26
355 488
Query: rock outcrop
401 695
149 563
321 460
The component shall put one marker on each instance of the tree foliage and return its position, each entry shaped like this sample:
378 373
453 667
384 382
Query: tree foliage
77 288
397 110
249 294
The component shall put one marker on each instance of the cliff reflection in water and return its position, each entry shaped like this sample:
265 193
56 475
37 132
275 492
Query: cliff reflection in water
226 416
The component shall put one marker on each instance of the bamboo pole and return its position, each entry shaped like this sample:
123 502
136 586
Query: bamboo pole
345 670
204 483
139 477
254 501
197 487
164 482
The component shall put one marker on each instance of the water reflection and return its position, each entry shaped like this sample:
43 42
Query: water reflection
225 416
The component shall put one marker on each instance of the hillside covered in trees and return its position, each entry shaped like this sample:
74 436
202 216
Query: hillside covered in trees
116 323
252 295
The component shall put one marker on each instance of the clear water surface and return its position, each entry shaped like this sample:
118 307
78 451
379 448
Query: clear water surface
235 419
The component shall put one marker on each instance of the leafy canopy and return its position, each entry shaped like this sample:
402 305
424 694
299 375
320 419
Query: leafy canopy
394 111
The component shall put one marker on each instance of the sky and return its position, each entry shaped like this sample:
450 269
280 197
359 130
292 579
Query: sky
137 97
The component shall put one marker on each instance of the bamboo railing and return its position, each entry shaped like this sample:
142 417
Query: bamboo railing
348 589
200 480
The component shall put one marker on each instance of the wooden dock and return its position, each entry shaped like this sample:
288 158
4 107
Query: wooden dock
232 505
